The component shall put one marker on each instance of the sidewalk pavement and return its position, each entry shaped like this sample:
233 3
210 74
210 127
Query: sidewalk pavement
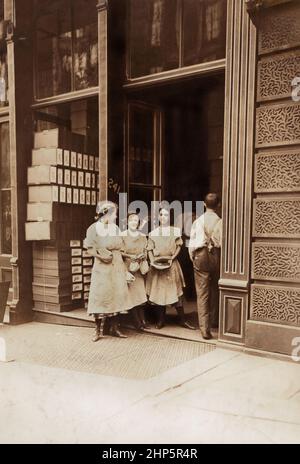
220 396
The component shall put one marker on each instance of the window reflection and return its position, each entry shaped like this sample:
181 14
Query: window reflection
168 34
66 46
154 36
204 25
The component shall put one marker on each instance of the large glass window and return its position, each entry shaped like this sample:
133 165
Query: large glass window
5 191
66 46
169 34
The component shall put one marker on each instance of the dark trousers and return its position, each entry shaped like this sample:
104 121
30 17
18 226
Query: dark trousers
207 273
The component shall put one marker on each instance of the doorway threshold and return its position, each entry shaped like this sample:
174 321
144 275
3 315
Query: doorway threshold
79 318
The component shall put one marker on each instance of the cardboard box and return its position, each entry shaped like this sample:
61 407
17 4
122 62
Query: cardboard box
51 290
69 195
38 175
45 231
77 287
82 197
87 182
87 262
52 307
91 163
79 160
87 271
77 278
43 194
52 280
58 299
76 261
47 157
77 296
88 197
67 157
85 162
67 177
74 178
62 194
73 159
53 138
76 252
52 253
53 212
40 231
87 279
61 274
76 270
75 243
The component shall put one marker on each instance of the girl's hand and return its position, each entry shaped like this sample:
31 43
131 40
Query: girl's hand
129 277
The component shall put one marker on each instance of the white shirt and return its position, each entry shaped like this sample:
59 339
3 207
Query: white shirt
208 226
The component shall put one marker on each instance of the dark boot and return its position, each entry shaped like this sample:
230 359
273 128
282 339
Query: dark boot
99 327
136 319
115 329
161 313
182 320
144 323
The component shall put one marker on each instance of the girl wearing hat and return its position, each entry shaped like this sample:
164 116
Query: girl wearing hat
109 289
135 256
165 281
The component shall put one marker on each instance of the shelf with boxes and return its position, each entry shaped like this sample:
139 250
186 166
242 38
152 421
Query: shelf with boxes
63 186
82 264
61 276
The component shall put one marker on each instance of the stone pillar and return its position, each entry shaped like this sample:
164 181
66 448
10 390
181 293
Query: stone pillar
237 174
19 56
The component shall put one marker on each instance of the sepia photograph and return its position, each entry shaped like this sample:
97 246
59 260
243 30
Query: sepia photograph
149 225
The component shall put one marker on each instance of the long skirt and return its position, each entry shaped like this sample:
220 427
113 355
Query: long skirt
165 287
109 294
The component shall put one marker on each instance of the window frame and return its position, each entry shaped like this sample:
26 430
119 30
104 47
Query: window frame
177 73
67 96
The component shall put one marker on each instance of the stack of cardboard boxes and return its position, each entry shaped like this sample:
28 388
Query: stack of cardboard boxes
63 192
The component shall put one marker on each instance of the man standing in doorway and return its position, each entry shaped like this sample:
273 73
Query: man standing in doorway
204 251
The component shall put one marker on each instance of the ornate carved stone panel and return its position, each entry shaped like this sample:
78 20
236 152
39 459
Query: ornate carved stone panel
278 262
275 304
278 125
277 218
277 172
279 28
275 75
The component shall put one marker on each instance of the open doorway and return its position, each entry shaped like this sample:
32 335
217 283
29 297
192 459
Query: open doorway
185 143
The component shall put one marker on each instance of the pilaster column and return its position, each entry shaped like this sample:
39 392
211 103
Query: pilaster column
19 58
103 96
238 172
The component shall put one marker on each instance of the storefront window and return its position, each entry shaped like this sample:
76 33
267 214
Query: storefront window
3 60
154 36
85 46
204 25
168 34
66 46
5 191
